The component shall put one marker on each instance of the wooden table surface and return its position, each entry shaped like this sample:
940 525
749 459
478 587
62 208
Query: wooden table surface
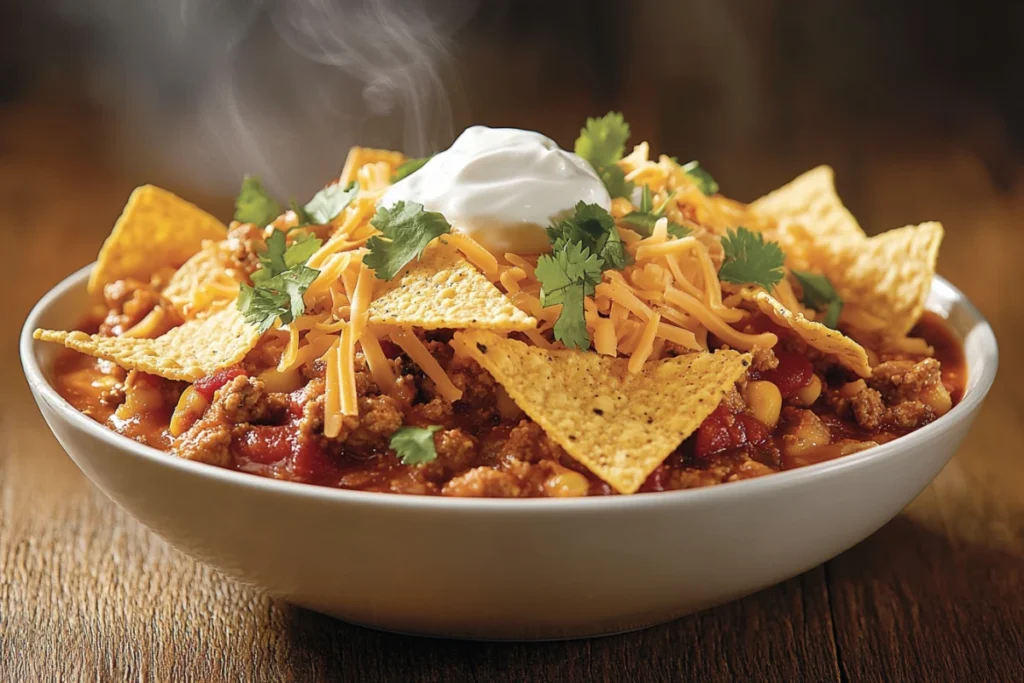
935 595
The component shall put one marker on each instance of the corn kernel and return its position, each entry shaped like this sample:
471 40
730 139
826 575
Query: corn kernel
567 484
807 395
764 400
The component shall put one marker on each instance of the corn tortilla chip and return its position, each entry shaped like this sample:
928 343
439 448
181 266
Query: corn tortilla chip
890 275
443 290
810 200
188 352
360 156
831 342
205 281
156 230
620 425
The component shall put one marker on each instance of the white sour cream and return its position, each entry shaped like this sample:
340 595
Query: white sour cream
502 187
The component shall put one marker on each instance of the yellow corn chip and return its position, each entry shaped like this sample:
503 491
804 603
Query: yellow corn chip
890 275
360 156
813 226
830 342
156 230
204 281
443 290
193 350
620 425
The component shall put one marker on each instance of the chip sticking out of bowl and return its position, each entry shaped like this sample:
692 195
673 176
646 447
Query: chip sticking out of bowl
620 425
192 350
157 229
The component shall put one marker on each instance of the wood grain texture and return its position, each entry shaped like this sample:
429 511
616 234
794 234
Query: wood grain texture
88 594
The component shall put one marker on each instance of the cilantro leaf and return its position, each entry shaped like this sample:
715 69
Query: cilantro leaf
302 217
408 167
643 220
278 286
407 230
329 202
614 179
751 260
254 204
602 141
594 228
415 445
820 295
701 177
567 276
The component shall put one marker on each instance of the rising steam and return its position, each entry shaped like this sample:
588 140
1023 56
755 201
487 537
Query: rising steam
279 88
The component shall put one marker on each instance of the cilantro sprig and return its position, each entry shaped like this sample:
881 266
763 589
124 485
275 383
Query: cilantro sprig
701 177
407 228
601 143
820 295
415 445
255 204
278 286
582 248
643 219
751 260
408 167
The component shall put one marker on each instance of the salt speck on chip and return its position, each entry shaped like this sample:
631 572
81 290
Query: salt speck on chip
620 425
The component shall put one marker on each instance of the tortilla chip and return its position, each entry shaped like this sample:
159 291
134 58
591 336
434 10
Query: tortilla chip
444 291
620 425
890 275
156 230
813 225
205 281
188 352
360 156
831 342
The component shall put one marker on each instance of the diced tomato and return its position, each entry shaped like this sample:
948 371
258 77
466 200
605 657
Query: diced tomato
793 373
310 462
657 481
208 386
263 444
724 429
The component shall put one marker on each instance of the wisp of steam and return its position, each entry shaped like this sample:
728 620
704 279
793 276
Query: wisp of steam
277 88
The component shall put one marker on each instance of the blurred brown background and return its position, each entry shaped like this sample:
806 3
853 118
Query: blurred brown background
918 105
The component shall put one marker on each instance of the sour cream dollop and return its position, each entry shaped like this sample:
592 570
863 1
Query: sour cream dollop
502 187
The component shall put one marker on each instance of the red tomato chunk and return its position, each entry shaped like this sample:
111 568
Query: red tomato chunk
723 430
208 386
793 373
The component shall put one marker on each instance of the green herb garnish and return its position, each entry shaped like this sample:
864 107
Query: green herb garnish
820 295
408 167
254 204
407 230
643 220
602 142
415 445
751 260
328 203
278 286
702 178
582 247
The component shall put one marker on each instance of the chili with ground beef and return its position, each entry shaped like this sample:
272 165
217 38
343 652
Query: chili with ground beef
241 418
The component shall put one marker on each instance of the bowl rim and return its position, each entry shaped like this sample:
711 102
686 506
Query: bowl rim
971 401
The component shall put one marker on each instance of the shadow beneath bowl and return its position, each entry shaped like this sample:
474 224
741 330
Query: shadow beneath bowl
905 604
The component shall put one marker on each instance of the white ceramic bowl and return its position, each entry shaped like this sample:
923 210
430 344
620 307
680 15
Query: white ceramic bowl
508 569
